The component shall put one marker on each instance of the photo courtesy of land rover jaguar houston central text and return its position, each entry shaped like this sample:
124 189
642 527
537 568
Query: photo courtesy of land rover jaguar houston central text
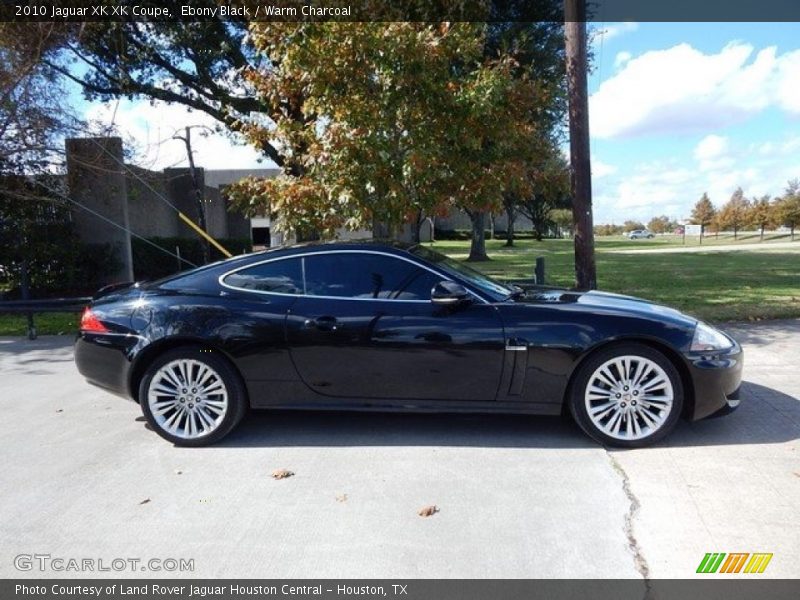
372 326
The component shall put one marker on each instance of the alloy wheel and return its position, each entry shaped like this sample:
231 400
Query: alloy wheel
629 397
187 398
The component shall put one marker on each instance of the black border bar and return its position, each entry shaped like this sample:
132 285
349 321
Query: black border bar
711 587
397 10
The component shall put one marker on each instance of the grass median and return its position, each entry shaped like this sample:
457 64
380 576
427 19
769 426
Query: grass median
733 285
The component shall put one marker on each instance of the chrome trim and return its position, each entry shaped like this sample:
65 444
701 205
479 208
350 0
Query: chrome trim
302 263
511 348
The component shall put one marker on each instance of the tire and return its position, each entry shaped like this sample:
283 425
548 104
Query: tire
628 396
213 402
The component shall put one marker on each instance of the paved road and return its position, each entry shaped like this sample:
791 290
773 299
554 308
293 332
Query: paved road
764 247
518 496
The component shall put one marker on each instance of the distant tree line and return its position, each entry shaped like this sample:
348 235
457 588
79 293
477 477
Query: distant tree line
738 213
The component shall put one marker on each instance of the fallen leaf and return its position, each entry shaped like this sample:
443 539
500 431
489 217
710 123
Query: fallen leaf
428 511
341 497
795 473
145 501
178 472
281 474
60 410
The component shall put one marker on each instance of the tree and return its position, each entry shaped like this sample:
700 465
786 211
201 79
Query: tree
703 213
734 213
33 119
510 202
608 229
761 214
787 209
550 190
405 118
630 225
661 224
562 217
202 65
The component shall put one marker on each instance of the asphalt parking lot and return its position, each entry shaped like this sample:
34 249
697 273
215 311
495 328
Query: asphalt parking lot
518 497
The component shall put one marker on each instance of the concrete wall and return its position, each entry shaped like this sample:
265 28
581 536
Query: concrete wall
96 179
148 214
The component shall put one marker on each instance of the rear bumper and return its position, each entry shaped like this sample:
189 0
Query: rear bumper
716 380
103 359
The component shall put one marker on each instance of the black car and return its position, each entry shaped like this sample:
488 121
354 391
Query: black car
370 326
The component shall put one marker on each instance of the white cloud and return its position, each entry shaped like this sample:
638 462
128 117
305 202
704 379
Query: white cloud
151 128
601 169
712 153
672 186
684 90
710 147
622 58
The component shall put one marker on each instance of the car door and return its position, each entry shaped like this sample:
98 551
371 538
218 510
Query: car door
366 328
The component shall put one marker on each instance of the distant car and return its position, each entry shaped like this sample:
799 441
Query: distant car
367 326
641 234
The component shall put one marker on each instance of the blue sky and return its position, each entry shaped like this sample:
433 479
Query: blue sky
676 109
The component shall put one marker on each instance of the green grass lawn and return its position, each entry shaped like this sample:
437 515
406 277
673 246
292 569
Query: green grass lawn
716 286
46 324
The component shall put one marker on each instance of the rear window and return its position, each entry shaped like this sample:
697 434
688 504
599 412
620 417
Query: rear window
279 277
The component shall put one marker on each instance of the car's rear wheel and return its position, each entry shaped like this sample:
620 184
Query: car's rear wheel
628 395
192 397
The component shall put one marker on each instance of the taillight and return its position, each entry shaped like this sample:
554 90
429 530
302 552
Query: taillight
89 322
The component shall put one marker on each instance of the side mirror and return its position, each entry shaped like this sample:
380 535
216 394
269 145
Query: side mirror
449 293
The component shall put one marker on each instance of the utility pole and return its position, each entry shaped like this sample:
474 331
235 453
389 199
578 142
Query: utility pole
198 193
581 171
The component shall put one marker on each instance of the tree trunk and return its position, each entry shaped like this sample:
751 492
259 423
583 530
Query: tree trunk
736 232
477 249
510 227
416 225
762 233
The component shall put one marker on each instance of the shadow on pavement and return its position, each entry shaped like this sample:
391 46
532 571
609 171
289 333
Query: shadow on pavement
766 416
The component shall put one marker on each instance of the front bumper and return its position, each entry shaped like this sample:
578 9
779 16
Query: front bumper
716 379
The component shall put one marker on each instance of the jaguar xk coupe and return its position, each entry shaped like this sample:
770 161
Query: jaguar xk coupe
368 326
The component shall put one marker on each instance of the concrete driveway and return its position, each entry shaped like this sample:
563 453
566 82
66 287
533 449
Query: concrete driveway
518 497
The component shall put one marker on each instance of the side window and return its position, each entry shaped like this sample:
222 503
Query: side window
365 275
280 276
419 287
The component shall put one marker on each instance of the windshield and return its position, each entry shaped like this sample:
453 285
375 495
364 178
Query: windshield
494 289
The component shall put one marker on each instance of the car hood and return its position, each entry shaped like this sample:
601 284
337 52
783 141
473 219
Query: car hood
603 302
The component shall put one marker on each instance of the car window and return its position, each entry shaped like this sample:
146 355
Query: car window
366 275
280 276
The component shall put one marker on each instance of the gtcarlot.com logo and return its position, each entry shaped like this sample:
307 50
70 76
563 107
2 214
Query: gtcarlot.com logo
48 562
735 562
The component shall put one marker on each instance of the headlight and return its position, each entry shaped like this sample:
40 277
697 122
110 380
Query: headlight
707 338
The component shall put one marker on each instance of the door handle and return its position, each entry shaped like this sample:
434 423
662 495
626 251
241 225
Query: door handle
321 323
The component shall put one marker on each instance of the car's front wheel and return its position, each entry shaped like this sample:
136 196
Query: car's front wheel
192 397
628 395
